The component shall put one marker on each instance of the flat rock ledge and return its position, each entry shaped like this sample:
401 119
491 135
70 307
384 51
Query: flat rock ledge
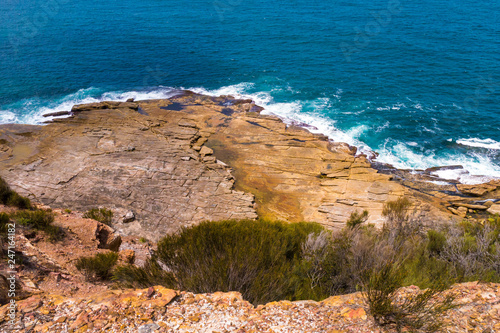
158 309
165 164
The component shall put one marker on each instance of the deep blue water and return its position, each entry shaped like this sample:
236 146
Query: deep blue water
417 82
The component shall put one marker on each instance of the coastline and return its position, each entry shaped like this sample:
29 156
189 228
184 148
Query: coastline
477 156
439 175
222 156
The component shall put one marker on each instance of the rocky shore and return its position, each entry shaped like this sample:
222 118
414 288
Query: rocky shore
171 163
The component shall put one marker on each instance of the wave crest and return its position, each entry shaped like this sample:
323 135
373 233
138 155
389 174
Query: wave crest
480 143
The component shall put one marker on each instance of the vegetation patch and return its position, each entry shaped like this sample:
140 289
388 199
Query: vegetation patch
11 198
39 220
102 215
422 311
260 259
97 267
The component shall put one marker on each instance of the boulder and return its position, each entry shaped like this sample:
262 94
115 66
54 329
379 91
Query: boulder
476 190
129 217
494 209
107 237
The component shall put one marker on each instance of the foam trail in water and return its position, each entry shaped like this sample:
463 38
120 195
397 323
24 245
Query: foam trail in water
480 143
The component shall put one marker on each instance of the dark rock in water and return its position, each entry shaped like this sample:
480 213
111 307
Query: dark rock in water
303 125
57 114
104 106
242 101
442 168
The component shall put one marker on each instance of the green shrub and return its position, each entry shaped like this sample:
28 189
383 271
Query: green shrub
37 219
422 311
397 210
18 201
402 222
98 267
102 215
357 219
4 221
260 259
151 274
11 198
437 241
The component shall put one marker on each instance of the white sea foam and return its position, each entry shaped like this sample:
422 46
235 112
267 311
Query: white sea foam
31 111
476 168
480 143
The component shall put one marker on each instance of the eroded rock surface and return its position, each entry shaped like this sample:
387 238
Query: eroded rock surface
158 309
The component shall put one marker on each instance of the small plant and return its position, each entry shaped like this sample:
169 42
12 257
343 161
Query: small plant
97 267
357 219
151 274
437 241
11 198
143 240
4 221
102 215
36 219
396 212
389 308
67 211
40 220
401 221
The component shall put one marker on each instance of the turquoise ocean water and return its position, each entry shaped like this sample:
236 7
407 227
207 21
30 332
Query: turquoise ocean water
416 82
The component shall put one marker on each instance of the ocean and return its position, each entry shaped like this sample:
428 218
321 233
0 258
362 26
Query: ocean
418 83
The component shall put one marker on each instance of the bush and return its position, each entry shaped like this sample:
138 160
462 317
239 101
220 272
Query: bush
357 219
55 233
102 215
98 267
401 222
437 241
40 220
4 221
260 259
37 219
151 274
389 307
11 198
